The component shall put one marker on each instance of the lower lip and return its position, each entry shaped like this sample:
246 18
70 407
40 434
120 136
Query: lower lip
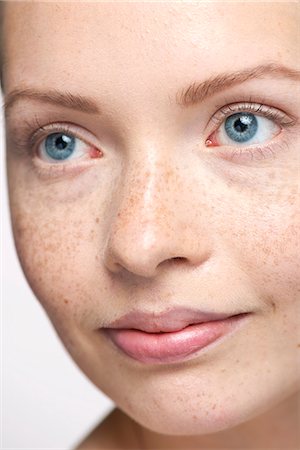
160 348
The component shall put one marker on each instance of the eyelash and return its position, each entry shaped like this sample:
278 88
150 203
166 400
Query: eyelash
28 140
268 112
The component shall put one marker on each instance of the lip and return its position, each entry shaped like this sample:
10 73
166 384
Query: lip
173 336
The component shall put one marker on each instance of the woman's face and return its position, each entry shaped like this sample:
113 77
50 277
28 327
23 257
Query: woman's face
149 204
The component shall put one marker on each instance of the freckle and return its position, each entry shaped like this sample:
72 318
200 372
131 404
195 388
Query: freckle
156 402
273 306
195 417
237 361
214 406
66 301
97 219
298 345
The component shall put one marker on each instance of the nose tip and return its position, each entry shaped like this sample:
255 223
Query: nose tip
141 257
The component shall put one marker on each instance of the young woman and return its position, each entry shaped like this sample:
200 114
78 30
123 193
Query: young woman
153 155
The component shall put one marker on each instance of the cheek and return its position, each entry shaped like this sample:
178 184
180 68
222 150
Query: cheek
268 252
274 248
58 258
260 230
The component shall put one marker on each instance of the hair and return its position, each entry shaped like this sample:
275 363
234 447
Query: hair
2 4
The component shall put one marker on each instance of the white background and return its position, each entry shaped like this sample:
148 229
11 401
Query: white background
46 402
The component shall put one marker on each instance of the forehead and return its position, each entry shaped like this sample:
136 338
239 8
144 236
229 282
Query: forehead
93 46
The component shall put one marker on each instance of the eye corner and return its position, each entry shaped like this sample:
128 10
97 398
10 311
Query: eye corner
96 153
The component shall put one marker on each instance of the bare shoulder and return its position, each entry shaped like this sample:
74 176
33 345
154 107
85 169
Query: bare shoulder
115 432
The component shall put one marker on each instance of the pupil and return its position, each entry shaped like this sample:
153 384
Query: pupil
240 126
62 142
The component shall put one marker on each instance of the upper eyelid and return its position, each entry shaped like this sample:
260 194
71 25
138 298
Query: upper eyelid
263 110
66 127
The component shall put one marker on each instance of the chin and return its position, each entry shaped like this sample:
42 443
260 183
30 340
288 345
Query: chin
188 424
184 417
201 414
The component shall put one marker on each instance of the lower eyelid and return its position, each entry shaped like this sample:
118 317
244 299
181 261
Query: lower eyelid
272 150
57 171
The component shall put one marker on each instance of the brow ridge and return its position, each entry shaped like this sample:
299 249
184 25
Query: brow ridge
193 94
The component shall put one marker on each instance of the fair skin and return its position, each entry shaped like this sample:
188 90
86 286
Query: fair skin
154 216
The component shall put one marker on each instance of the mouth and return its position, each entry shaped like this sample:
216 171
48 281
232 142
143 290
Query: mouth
164 341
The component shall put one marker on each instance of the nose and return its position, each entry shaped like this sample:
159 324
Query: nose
153 225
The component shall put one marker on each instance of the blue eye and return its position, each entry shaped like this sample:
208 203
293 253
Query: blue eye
244 128
241 127
59 146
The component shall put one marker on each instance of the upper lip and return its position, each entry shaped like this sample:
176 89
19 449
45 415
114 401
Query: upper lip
171 320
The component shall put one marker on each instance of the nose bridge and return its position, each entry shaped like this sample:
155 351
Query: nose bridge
149 190
147 194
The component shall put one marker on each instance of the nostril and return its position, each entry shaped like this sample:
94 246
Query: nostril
177 260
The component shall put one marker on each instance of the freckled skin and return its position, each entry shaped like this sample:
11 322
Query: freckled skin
158 218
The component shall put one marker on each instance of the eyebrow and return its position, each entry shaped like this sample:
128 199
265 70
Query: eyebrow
52 96
193 94
198 92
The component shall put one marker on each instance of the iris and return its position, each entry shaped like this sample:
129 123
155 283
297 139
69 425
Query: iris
59 146
241 127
